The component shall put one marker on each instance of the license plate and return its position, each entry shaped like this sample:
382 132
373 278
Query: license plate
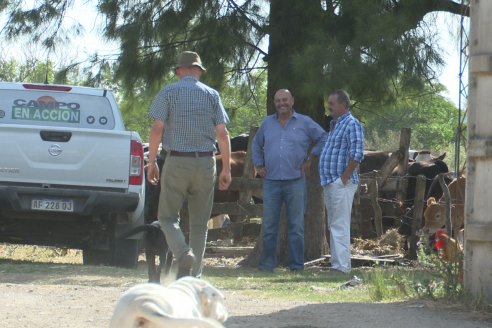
52 205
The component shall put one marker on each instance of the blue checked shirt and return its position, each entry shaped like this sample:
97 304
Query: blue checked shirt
282 150
345 141
191 111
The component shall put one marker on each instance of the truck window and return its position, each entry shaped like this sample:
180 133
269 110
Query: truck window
61 109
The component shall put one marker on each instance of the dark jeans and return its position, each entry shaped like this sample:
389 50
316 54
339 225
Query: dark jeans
292 193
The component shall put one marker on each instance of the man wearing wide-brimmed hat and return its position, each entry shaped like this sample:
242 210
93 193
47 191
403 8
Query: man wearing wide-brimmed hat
188 117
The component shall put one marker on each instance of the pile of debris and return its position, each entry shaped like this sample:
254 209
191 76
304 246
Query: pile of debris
390 243
387 249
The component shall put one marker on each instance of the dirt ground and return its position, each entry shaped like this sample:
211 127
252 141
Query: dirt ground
37 299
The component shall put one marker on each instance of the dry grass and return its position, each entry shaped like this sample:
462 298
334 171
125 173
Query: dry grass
390 243
40 254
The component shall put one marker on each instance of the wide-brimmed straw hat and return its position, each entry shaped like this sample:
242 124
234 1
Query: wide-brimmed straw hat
188 59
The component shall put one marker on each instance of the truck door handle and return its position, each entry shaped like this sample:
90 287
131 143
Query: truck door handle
58 136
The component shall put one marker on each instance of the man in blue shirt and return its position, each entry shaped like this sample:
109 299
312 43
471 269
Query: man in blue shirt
188 116
280 155
341 155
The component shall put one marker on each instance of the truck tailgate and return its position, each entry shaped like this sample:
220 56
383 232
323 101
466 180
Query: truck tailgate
55 155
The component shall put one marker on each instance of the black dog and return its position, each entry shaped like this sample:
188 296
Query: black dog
155 245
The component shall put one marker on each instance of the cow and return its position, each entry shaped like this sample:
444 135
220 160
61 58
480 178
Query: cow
435 189
373 160
237 166
434 214
430 169
238 143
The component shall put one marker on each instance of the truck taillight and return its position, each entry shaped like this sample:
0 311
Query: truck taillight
136 162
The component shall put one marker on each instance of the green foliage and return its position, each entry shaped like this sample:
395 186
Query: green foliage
362 46
432 118
448 279
245 103
387 286
31 71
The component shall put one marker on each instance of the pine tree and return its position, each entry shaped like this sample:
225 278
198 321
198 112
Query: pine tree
313 48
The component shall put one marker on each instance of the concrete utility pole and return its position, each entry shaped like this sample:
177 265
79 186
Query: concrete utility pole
478 224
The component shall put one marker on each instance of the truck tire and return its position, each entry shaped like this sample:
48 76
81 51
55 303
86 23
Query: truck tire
125 253
92 256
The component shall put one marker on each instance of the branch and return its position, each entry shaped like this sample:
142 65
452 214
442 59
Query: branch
249 20
415 10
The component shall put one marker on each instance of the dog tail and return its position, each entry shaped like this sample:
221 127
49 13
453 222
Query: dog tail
138 229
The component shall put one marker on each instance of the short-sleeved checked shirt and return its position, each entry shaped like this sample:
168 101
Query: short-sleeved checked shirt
191 110
345 141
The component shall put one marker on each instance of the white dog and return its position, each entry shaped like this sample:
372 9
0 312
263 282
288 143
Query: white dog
187 302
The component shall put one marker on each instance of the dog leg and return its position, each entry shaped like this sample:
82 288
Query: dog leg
154 274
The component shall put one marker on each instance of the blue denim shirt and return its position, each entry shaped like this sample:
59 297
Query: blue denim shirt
282 150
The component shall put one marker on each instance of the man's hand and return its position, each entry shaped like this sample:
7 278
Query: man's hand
261 171
345 179
305 167
153 173
224 180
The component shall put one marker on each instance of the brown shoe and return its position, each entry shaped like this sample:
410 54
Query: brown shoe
185 263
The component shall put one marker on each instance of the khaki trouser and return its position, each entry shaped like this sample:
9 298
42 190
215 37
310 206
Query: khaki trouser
192 179
338 201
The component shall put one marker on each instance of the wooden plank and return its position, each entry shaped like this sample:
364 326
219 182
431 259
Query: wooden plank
447 197
248 170
227 251
384 259
478 232
238 184
405 134
251 210
378 214
418 212
388 167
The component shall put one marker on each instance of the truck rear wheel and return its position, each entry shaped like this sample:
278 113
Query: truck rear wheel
92 256
125 253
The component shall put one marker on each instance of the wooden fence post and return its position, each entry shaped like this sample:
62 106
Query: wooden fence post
418 212
405 135
447 197
378 215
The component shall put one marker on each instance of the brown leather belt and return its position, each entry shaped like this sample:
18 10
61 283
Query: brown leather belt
191 154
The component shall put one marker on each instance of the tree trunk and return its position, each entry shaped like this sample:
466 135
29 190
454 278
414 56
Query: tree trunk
291 65
284 56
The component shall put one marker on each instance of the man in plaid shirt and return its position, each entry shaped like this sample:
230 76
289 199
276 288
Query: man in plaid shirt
188 116
341 155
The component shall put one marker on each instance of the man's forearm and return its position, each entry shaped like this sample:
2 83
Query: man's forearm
352 165
155 138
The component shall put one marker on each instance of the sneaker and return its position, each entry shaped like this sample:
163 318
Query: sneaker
185 263
336 272
296 269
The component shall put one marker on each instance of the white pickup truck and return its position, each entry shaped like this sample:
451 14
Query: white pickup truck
71 175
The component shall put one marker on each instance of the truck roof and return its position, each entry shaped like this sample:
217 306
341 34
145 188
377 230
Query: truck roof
54 87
